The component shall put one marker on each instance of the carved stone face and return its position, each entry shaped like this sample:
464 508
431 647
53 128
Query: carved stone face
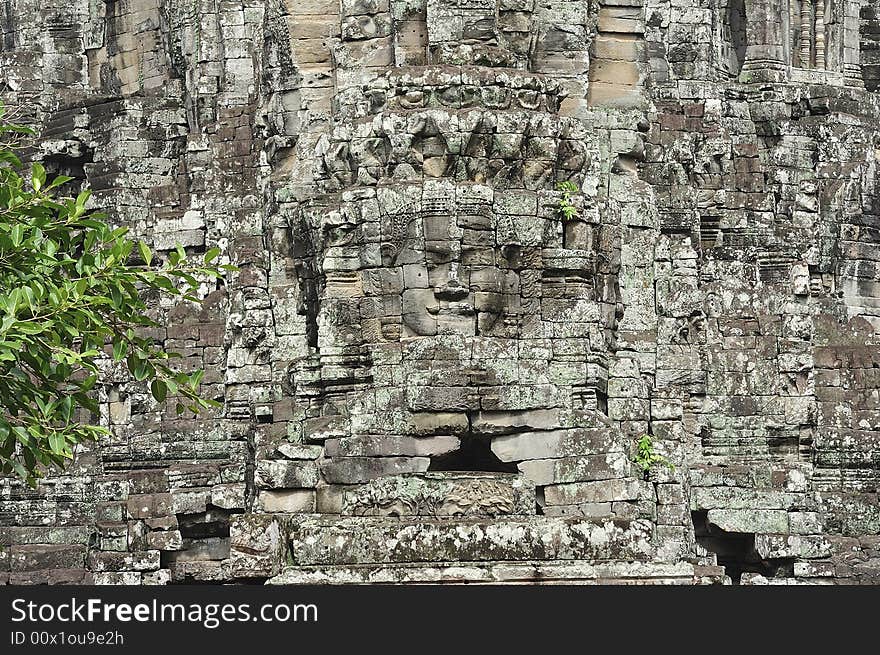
456 283
449 293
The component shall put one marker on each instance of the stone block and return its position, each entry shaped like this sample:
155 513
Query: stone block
258 545
353 470
286 474
357 540
747 520
440 494
377 446
141 506
288 501
597 492
35 557
556 443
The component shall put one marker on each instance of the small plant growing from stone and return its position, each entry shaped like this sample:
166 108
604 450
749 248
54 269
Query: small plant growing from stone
566 208
646 458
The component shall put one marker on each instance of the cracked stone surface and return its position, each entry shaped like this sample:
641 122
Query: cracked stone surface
428 373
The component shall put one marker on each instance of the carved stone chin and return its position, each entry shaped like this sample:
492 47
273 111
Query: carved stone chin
442 495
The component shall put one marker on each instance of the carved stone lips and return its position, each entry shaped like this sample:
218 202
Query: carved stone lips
462 309
454 309
451 291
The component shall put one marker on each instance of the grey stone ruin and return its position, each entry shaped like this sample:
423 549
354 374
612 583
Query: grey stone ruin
428 373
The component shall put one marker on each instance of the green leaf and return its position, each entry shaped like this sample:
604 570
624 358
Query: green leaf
116 297
57 443
67 407
21 434
17 234
143 370
120 348
159 390
29 328
38 175
10 158
146 255
29 297
211 255
20 470
59 180
196 378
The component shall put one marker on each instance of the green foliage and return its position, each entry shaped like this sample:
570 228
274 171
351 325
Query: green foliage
566 208
72 302
746 77
646 458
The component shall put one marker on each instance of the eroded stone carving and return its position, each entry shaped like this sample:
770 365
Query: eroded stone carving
426 369
442 495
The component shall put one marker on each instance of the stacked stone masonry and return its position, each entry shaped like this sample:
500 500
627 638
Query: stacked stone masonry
428 374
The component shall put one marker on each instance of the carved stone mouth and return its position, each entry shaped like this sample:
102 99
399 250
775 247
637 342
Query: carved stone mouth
455 309
451 292
459 309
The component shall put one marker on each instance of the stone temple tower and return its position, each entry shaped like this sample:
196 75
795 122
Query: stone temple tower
457 375
485 248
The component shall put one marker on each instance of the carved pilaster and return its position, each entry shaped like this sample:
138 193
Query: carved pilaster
804 45
766 36
852 69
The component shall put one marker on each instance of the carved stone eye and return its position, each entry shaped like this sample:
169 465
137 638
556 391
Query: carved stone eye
339 235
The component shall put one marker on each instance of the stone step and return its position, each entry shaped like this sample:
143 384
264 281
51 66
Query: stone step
439 494
328 540
494 572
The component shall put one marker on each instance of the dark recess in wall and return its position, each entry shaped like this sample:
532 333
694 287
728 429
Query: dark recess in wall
736 551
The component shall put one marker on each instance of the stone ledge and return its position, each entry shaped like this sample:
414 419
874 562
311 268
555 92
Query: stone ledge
528 572
366 540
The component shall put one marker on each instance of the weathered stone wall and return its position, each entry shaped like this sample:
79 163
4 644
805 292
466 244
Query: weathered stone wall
427 374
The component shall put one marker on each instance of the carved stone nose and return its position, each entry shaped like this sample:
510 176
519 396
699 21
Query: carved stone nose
452 290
